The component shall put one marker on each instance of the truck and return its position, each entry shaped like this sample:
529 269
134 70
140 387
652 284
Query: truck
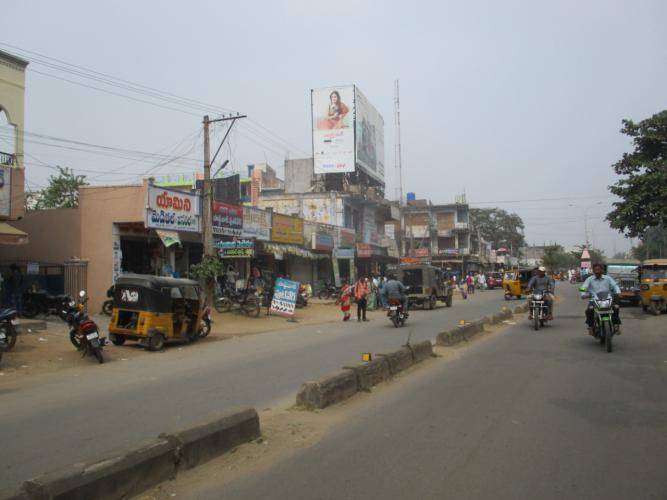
427 284
626 274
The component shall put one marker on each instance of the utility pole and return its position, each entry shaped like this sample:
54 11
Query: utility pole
397 145
207 229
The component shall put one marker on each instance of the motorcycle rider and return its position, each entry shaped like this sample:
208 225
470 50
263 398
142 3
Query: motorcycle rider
594 284
394 289
540 282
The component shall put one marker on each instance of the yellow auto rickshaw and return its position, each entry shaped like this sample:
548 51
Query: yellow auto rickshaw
653 285
154 310
515 282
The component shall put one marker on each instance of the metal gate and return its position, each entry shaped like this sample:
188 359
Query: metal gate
76 276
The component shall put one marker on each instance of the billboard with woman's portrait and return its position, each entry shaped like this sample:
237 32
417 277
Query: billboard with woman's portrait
333 129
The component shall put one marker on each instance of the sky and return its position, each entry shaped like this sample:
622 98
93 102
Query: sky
517 104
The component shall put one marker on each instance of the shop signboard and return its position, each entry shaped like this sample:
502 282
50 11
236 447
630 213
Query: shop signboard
256 224
284 297
333 129
323 241
344 253
173 210
347 238
364 250
286 229
227 219
390 231
419 252
238 249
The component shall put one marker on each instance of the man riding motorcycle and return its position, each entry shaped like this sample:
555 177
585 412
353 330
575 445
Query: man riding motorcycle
594 284
542 283
394 289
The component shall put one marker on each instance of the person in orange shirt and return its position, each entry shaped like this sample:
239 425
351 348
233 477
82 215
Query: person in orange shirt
360 294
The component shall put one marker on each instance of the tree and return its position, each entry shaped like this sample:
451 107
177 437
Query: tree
498 227
556 258
62 191
653 245
643 185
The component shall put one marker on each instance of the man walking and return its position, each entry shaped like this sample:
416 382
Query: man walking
361 296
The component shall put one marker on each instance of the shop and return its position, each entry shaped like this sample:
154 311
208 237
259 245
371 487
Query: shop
373 260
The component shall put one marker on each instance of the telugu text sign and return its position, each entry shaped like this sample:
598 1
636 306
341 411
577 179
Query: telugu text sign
284 297
173 210
227 219
286 229
256 224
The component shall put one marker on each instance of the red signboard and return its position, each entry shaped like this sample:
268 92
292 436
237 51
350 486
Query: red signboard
364 250
227 219
419 252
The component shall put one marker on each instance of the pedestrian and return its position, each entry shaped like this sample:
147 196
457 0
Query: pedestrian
345 299
383 300
372 302
470 282
482 281
361 296
15 288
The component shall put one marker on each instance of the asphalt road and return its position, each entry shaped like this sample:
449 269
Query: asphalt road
53 420
520 415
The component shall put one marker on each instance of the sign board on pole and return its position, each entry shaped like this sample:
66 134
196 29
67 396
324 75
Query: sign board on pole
256 224
284 297
227 219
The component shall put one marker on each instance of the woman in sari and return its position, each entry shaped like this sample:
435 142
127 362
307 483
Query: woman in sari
345 300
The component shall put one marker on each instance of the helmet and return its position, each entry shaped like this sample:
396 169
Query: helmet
542 268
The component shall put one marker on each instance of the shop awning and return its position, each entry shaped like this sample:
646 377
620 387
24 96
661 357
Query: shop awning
9 235
168 237
279 248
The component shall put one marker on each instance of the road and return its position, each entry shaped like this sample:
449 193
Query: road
520 415
53 420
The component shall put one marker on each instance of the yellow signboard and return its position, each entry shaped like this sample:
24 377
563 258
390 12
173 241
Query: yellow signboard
286 229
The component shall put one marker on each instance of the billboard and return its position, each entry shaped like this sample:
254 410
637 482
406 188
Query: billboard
173 210
369 137
227 219
333 129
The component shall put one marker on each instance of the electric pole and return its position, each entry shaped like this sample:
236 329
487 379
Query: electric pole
207 228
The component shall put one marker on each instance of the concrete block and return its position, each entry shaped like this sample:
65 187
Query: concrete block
421 351
399 360
328 390
15 494
371 373
120 476
450 337
488 320
199 444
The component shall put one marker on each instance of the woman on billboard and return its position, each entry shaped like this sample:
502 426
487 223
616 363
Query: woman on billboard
336 113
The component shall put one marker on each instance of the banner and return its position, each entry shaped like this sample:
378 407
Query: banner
173 210
346 237
284 297
256 224
369 126
333 129
227 219
238 249
168 237
5 191
286 229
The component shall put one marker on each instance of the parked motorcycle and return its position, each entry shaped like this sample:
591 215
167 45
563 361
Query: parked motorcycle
8 323
84 333
40 301
396 313
107 305
246 299
205 323
539 310
329 291
603 328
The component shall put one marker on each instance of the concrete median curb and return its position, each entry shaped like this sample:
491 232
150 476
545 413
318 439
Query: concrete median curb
119 476
141 467
466 332
341 386
199 444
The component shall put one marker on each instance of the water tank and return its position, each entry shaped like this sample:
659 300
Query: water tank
411 197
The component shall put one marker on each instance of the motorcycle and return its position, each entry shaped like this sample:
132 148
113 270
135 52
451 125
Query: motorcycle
246 299
539 310
329 291
205 323
603 328
8 323
395 312
302 297
84 333
40 301
107 305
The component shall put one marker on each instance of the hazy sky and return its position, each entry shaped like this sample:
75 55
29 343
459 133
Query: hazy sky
506 100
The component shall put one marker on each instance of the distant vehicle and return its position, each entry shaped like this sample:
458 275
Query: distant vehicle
626 274
427 284
654 286
494 280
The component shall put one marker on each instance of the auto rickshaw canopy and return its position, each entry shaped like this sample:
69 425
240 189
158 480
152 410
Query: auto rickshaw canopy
143 292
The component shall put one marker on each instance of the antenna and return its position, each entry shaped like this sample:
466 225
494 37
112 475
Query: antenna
397 144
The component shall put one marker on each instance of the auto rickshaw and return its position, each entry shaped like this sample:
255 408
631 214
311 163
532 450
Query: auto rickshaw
515 282
154 310
653 285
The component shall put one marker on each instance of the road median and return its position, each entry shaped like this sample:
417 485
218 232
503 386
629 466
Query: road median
467 331
140 467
